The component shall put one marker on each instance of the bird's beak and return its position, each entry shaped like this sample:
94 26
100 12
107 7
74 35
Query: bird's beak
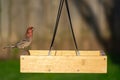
32 28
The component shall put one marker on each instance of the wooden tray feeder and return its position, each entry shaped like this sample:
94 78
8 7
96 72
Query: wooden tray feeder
63 61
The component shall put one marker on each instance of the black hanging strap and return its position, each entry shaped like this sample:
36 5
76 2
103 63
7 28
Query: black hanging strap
57 22
56 25
71 27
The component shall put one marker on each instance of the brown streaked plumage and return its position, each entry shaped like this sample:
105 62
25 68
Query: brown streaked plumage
24 42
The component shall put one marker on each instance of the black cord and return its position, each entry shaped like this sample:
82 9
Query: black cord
57 22
71 27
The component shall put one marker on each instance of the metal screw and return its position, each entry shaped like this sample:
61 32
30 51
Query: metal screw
78 70
23 58
104 58
49 70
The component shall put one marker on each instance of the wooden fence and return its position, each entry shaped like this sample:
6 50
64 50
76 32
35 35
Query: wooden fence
16 15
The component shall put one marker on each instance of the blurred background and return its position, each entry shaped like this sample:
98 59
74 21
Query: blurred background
95 23
17 15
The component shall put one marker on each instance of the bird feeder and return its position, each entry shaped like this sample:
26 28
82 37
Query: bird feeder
63 61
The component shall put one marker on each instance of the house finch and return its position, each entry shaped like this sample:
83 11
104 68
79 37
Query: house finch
25 42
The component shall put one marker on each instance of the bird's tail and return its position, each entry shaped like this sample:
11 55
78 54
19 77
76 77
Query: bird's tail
11 46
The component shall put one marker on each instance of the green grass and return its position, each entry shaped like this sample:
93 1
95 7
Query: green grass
10 70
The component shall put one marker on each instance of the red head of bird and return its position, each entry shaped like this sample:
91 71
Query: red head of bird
29 32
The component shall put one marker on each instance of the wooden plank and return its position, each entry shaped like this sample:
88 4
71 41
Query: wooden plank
63 64
5 19
64 52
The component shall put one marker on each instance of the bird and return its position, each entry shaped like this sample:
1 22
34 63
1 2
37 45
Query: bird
24 43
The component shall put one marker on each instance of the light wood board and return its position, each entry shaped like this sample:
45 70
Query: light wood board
64 52
63 64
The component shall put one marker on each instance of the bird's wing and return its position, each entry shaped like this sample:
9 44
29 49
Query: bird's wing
23 43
